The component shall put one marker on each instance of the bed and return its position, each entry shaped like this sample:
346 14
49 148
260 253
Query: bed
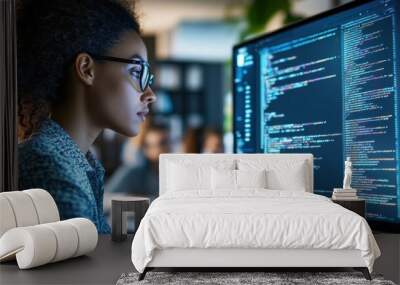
246 211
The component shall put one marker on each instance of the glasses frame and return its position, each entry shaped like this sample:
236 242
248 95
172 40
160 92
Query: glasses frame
146 78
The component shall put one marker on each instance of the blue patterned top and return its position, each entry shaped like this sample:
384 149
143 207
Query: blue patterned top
51 160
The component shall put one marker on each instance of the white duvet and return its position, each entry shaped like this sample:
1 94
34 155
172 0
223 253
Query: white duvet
250 219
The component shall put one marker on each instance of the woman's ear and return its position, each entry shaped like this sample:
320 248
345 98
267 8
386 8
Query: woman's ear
84 68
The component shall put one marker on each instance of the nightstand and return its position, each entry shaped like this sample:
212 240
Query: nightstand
120 207
356 205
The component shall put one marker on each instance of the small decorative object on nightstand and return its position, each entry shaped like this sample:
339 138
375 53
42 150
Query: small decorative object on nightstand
119 208
348 172
347 192
347 196
356 205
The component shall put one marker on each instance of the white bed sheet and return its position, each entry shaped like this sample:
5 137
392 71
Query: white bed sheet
252 218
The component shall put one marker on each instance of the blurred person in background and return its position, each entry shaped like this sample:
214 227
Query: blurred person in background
192 140
213 141
203 140
142 178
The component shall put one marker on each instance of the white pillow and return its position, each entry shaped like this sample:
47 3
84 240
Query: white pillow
281 174
185 174
183 177
225 179
251 178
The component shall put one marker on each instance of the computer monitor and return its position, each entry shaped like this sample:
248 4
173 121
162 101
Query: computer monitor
329 86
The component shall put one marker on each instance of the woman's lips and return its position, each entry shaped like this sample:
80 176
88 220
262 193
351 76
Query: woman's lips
142 115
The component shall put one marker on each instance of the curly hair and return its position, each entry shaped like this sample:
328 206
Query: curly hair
50 34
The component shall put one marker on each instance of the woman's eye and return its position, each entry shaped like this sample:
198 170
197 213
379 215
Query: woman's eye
134 72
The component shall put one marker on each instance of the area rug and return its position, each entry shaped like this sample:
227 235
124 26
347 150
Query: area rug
243 278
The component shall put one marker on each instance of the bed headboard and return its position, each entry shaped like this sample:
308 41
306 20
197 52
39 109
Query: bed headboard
198 158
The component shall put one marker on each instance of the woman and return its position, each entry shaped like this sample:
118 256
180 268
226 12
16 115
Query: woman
82 67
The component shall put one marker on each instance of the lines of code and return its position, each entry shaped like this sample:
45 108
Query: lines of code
369 117
296 117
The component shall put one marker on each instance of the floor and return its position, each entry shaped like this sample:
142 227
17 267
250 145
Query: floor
389 262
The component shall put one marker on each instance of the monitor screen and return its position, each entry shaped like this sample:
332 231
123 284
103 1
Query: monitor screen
329 86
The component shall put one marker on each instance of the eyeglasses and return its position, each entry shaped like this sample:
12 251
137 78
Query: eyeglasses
145 77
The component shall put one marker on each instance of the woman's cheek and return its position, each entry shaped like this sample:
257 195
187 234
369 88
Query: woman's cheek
131 102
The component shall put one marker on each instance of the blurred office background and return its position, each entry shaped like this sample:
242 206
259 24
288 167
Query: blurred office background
189 46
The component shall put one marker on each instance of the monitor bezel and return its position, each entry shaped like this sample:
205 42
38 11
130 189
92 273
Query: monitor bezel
376 225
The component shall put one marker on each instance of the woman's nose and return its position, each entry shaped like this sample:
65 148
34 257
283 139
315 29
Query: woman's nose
148 96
